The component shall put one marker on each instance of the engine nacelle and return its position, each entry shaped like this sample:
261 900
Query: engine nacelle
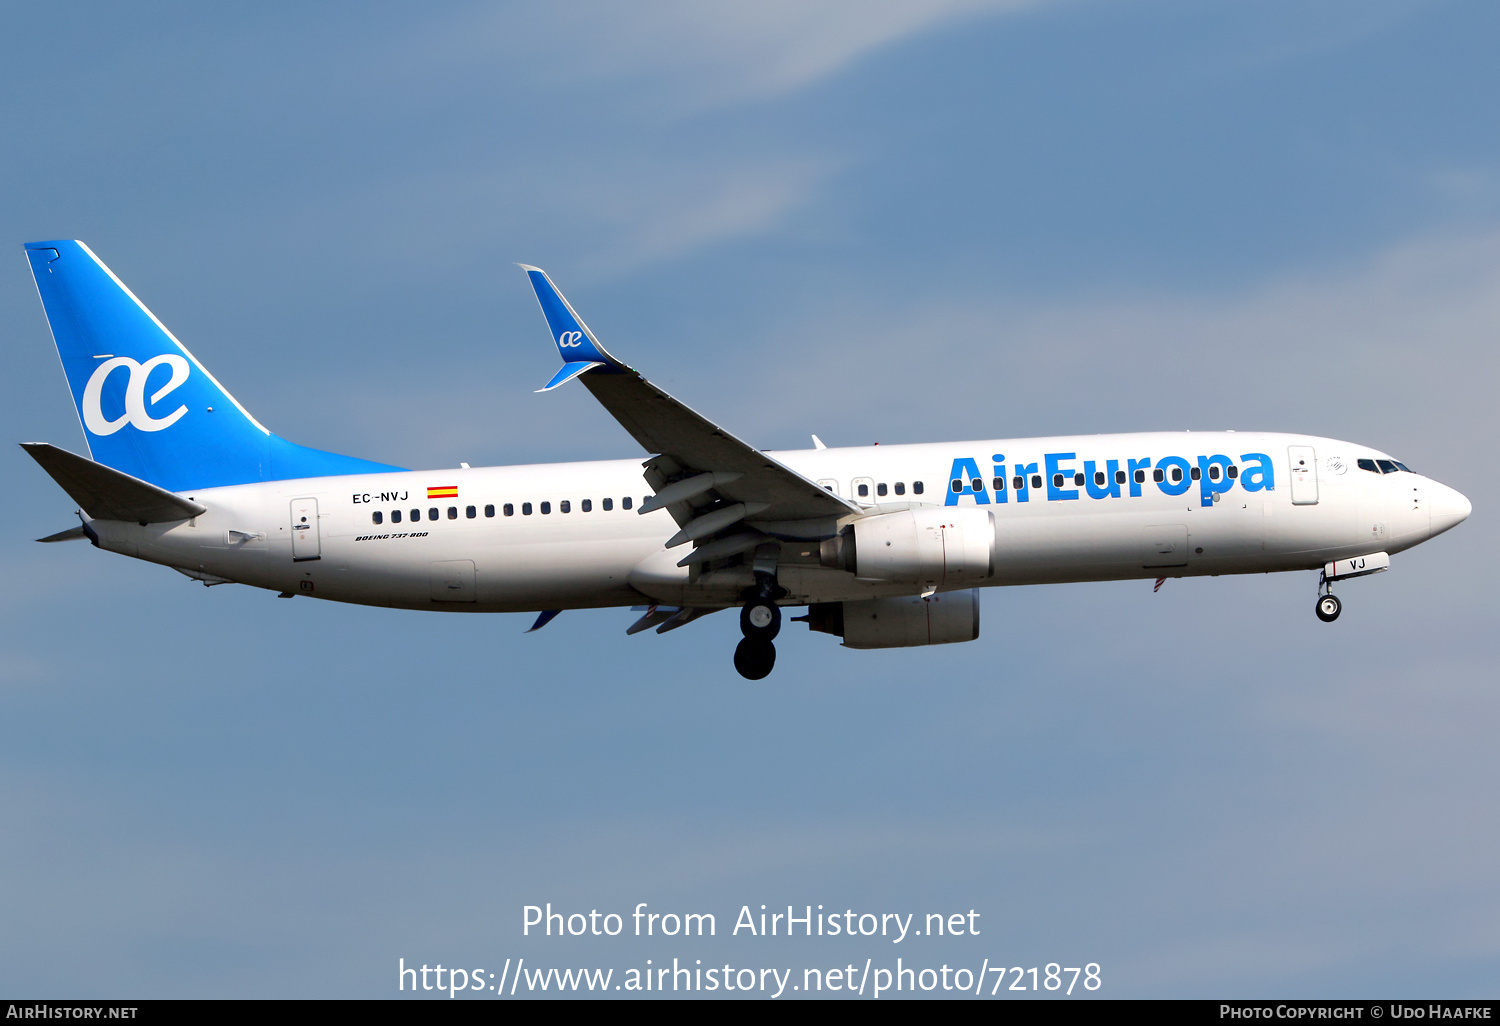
904 622
932 547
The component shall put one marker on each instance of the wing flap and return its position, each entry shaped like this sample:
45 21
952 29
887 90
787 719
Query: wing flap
696 445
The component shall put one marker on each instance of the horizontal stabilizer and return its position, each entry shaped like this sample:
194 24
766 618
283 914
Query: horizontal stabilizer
107 494
71 534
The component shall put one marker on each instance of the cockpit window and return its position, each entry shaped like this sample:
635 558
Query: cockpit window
1384 466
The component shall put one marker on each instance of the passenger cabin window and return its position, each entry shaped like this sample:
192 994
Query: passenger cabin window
586 505
376 517
432 514
510 510
546 508
1099 477
1019 482
1078 480
864 489
900 487
609 504
525 509
470 512
1036 481
565 506
1119 477
416 515
880 488
916 487
626 502
395 516
1196 473
1234 472
998 484
1158 476
452 512
1176 474
957 485
1213 471
1140 476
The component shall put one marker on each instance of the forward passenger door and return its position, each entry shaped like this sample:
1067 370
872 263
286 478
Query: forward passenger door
1304 474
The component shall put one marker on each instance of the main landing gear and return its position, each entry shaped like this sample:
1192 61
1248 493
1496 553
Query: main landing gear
760 622
1328 607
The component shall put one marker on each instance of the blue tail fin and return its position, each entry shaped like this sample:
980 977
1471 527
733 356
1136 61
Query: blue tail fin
148 407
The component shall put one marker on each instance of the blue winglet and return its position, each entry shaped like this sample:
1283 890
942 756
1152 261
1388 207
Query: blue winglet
576 344
568 372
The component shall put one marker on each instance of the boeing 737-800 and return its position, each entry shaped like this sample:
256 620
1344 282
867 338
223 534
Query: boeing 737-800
886 546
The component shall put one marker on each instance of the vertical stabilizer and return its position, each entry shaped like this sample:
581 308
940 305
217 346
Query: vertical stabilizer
147 406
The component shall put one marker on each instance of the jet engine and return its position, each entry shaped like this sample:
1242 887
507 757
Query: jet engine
931 547
902 622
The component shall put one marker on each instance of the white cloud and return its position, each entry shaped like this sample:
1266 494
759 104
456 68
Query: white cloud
1398 350
710 54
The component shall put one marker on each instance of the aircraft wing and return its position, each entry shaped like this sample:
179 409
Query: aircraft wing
709 480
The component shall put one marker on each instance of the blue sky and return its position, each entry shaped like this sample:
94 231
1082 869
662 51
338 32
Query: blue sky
874 221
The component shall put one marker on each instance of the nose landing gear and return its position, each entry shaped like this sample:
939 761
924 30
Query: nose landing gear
1328 607
760 622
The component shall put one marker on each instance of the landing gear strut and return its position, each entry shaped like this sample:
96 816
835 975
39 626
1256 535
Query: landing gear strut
1328 607
760 622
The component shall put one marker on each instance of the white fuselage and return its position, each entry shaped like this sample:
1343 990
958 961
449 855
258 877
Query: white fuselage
474 557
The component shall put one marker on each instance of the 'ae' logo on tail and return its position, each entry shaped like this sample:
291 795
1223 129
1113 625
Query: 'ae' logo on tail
135 394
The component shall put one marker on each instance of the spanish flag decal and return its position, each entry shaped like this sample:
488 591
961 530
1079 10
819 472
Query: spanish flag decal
444 492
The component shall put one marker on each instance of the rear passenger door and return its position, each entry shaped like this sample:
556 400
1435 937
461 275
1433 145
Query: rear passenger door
306 544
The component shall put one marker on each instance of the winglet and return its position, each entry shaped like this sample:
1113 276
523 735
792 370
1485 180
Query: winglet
576 344
568 371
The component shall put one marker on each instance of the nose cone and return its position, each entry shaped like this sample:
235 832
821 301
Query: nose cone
1449 508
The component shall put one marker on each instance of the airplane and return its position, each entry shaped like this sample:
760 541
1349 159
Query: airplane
886 546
